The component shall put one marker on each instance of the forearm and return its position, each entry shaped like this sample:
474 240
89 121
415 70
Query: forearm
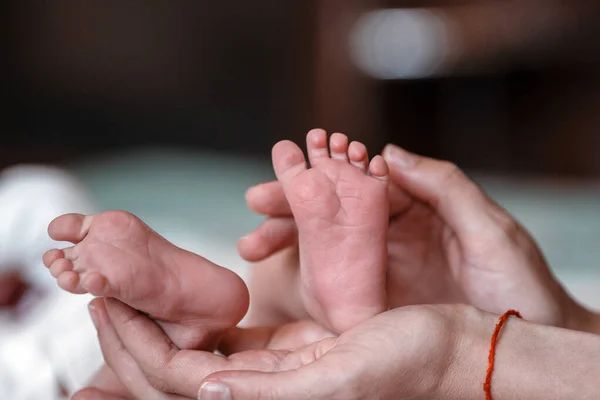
532 361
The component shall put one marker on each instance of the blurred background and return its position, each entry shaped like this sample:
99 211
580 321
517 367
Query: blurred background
502 86
169 109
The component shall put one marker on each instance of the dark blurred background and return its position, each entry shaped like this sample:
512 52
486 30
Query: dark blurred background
509 87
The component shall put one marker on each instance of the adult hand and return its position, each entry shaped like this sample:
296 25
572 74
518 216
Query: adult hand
294 362
447 243
419 352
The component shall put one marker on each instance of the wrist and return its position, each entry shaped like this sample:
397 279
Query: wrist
531 361
463 379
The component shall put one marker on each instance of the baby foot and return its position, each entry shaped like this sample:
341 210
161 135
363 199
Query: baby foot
116 255
341 209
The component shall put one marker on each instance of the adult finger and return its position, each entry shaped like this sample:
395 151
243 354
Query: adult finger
268 199
169 369
273 235
458 200
119 359
314 381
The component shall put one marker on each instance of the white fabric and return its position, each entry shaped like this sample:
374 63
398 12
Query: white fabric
54 343
31 197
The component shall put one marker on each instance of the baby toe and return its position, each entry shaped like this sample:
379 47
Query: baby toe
51 256
316 146
60 266
69 281
357 153
288 161
70 227
70 253
94 283
338 146
378 168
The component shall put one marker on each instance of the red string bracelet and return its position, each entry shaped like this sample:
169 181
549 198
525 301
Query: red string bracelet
487 386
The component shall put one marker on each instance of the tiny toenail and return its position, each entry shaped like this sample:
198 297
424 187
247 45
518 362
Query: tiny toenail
214 391
399 156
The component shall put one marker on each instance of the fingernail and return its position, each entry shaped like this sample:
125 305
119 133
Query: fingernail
214 391
399 156
93 315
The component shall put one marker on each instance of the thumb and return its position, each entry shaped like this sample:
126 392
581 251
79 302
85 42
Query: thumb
441 184
310 382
